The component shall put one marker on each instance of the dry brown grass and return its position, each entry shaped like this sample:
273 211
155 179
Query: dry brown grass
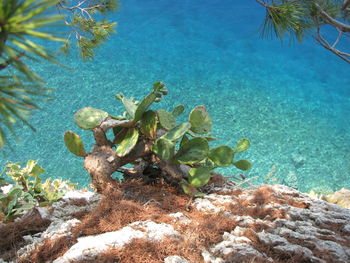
12 233
49 250
129 202
135 200
205 231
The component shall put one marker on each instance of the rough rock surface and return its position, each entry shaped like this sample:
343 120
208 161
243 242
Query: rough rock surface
321 227
90 247
62 218
293 225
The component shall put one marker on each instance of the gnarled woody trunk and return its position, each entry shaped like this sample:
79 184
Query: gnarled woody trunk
103 161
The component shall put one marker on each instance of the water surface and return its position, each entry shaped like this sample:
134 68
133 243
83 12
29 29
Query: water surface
291 101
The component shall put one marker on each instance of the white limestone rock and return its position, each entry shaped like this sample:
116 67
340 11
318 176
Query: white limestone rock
155 231
86 195
60 229
239 231
175 259
180 218
62 218
339 253
206 206
313 232
209 258
89 247
271 239
293 250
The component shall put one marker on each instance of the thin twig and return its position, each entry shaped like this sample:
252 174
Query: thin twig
247 181
340 33
331 21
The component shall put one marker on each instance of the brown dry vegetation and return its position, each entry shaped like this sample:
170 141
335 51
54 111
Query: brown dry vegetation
12 233
207 230
135 200
132 201
49 250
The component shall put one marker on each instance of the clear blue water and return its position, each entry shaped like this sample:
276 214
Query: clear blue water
291 101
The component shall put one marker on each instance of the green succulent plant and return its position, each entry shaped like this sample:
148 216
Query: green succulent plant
27 190
152 139
13 203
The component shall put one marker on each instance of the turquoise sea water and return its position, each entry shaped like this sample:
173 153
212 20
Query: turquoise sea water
292 102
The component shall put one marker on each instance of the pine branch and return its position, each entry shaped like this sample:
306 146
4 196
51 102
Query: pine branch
296 18
346 3
324 43
89 33
10 60
333 22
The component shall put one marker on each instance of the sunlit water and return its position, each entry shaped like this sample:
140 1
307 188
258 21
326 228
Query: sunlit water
292 102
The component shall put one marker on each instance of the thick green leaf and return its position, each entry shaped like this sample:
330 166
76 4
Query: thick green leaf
242 165
209 163
178 110
164 148
210 139
193 151
242 145
149 124
159 90
74 143
199 176
24 207
221 155
200 121
3 182
36 170
128 142
199 194
166 119
16 190
143 106
186 187
89 118
176 133
129 106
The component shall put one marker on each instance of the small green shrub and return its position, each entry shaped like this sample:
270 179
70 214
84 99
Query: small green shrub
154 143
27 190
14 202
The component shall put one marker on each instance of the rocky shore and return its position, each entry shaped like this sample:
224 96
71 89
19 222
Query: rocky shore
140 223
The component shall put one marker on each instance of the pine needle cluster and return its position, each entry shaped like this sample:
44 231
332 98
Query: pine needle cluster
22 24
89 32
297 19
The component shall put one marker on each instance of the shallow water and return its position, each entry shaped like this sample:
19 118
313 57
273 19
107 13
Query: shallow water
291 101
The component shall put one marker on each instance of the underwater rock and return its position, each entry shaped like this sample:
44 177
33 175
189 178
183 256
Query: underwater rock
292 179
298 160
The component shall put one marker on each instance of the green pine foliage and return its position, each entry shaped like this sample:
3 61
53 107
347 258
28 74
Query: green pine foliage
286 18
89 32
23 24
295 18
